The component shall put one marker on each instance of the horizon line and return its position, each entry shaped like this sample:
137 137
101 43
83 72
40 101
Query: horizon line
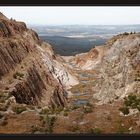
82 24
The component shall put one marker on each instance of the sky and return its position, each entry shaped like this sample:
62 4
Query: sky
69 15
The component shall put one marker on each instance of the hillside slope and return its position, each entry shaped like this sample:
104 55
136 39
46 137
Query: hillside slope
117 66
29 69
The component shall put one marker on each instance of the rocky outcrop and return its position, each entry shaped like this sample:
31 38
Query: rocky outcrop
29 69
120 69
117 66
11 28
12 52
29 91
57 68
89 60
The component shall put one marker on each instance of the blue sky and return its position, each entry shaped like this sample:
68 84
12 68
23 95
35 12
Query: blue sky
58 15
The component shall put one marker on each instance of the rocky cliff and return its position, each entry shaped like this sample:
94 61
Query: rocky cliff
117 66
29 69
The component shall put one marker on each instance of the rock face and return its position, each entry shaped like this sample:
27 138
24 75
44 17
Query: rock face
57 68
11 28
117 64
29 69
90 60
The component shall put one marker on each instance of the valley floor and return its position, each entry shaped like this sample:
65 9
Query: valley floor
41 92
82 115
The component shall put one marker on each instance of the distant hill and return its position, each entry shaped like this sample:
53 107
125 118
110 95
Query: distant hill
74 39
71 46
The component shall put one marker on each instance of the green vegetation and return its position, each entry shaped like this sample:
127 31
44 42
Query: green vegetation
49 123
87 109
66 109
95 131
124 110
18 75
75 128
35 128
89 104
74 107
4 96
121 128
65 113
125 33
132 101
19 109
57 110
48 120
44 111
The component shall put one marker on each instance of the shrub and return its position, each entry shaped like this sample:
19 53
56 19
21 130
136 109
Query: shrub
65 113
125 33
34 128
39 107
127 102
87 109
75 107
124 110
95 131
89 104
44 111
50 123
132 97
38 129
66 109
17 74
75 128
19 109
57 110
132 101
